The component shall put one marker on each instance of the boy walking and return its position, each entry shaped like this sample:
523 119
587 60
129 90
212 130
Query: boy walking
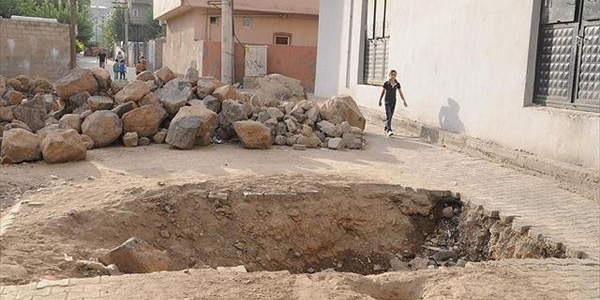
389 90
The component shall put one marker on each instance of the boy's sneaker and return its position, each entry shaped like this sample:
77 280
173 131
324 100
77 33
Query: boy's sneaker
390 133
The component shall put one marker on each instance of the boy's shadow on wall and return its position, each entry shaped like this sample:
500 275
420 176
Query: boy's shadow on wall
448 117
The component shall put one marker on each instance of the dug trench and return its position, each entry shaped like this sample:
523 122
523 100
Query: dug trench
358 228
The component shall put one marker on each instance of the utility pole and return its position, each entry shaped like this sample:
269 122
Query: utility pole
72 34
126 48
227 49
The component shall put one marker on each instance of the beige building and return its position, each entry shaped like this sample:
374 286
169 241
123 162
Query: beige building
288 28
139 10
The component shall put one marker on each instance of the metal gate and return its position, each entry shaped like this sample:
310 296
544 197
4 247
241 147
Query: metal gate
568 62
377 42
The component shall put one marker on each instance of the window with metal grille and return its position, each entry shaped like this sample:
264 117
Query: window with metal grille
377 40
247 22
568 60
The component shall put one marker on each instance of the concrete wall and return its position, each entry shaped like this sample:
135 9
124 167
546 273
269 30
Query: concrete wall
465 66
183 46
35 49
293 61
303 30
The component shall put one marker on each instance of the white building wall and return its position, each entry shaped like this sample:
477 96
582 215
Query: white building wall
469 62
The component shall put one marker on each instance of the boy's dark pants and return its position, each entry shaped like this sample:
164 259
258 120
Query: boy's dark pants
122 75
390 107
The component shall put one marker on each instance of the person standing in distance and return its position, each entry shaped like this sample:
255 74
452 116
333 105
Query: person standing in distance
389 90
102 58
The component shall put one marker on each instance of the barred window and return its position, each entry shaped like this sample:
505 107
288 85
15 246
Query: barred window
376 51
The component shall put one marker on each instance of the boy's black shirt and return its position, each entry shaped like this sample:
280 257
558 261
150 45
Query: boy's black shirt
390 91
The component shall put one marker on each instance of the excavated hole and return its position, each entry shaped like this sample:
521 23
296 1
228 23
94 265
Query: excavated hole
359 228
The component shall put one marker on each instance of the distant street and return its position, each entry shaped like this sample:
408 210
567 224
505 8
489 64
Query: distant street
87 62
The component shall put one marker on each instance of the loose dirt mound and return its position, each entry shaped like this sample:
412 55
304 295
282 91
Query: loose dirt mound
271 224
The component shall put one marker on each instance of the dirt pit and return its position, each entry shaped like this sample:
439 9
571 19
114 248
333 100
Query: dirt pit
302 228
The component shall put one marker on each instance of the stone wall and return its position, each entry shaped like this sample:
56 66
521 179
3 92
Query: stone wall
34 48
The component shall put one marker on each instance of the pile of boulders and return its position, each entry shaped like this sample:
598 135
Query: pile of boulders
86 109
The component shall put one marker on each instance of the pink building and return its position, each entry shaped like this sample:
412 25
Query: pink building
287 27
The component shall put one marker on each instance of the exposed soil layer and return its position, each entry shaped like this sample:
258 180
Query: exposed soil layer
271 225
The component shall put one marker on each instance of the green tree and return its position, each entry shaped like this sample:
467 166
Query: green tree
114 29
56 9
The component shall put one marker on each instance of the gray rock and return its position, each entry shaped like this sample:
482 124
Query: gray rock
329 129
335 144
352 141
275 112
32 112
160 136
175 95
461 263
130 139
212 103
291 126
232 112
183 132
280 140
124 108
205 88
448 212
263 116
100 103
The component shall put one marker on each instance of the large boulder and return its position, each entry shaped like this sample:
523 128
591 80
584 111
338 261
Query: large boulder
20 83
102 77
78 80
103 126
137 256
204 88
6 113
226 92
76 101
100 103
165 75
183 132
124 108
342 108
175 95
208 118
41 86
273 89
72 121
232 111
150 99
63 146
134 91
148 76
253 135
212 103
145 121
19 145
32 112
13 97
117 85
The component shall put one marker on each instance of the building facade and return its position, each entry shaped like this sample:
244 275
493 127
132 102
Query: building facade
522 74
288 28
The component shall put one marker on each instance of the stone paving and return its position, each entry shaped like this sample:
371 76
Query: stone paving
535 202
